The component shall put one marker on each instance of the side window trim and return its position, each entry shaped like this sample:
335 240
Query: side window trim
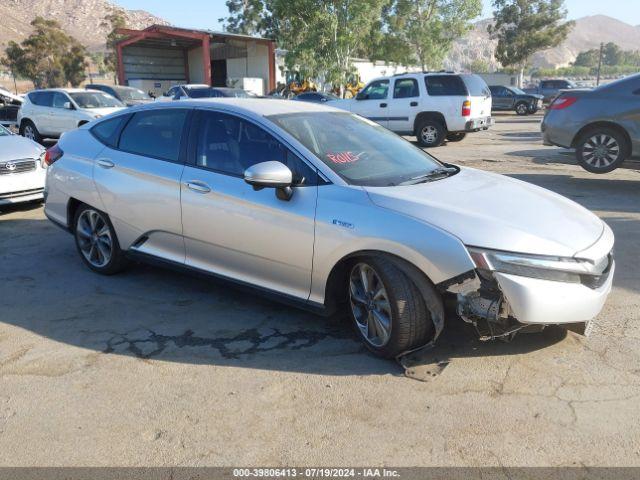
195 130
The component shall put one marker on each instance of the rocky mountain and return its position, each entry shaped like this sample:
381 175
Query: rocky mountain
587 33
80 18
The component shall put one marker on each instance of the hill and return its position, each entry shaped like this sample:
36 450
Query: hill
587 33
80 18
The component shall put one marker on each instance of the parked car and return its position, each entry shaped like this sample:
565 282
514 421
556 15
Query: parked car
50 113
212 92
22 175
330 211
9 106
602 124
128 95
514 99
549 89
317 97
179 91
432 106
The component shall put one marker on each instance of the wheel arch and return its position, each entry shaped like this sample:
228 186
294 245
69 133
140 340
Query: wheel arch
335 295
602 124
429 116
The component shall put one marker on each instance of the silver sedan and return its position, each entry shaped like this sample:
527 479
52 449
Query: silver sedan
327 210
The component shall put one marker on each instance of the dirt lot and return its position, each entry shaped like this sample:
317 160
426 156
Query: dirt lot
158 368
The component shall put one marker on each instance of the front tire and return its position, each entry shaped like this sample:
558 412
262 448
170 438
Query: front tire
522 109
601 150
431 133
29 130
97 242
387 309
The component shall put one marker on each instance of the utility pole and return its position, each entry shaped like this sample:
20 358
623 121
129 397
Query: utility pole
599 64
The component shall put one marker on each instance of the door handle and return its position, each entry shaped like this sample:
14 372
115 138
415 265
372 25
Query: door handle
414 104
383 105
105 163
198 187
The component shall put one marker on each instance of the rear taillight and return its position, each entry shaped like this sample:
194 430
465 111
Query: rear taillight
466 108
561 103
51 155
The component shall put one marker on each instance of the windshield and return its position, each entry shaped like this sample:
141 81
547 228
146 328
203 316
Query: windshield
236 93
131 94
360 151
95 100
518 91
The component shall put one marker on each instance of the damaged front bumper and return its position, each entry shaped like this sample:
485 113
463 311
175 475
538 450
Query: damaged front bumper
499 305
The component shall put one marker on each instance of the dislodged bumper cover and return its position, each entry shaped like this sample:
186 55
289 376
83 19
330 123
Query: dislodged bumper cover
535 301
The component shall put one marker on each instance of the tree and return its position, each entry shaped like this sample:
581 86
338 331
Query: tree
48 57
479 65
323 36
113 21
249 17
422 31
524 27
588 58
612 54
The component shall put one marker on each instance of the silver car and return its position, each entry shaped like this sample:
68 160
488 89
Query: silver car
603 124
331 211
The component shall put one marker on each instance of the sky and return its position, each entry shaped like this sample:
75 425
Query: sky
205 13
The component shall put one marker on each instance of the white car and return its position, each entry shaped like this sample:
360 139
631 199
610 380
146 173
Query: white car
433 107
327 210
50 113
22 175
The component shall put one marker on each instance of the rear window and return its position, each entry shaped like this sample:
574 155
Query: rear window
42 99
445 85
476 85
107 130
154 133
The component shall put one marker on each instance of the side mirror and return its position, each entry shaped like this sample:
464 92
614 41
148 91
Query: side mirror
67 105
271 175
362 96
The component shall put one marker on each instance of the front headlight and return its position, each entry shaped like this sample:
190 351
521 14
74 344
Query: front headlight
42 157
561 269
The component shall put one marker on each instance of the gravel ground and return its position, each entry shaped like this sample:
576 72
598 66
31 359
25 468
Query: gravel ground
157 368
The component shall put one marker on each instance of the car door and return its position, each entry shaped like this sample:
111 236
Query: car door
138 179
41 113
404 106
503 99
63 114
373 103
232 229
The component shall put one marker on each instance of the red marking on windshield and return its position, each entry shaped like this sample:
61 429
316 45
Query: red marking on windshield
344 157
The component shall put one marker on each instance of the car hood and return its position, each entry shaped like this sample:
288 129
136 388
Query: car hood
101 111
534 95
493 211
14 147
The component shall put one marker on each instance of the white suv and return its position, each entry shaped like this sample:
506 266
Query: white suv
432 106
51 112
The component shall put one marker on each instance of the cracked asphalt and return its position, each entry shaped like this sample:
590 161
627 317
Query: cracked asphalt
158 368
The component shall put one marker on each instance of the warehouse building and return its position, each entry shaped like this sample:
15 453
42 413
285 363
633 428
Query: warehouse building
160 56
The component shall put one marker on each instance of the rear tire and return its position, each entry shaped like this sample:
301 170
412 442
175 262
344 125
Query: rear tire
456 137
387 309
602 150
97 242
431 133
29 130
522 109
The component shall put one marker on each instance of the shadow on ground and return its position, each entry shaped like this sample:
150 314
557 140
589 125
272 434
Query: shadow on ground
153 313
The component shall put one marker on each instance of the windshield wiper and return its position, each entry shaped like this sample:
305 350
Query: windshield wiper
430 176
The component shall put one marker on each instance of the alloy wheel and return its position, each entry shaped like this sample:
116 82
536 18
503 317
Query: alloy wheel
29 132
94 238
429 134
370 305
601 150
522 109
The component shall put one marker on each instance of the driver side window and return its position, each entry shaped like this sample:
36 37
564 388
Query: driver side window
59 99
229 145
377 90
